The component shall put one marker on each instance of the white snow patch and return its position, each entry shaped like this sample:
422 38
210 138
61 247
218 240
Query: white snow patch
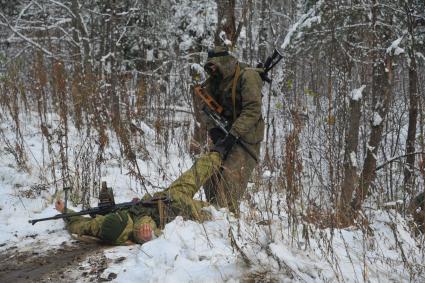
353 159
394 48
223 37
376 119
357 94
149 55
305 21
187 251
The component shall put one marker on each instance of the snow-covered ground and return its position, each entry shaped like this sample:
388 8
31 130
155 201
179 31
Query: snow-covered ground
259 246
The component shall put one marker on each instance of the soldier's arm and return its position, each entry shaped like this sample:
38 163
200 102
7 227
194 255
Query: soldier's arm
251 85
60 206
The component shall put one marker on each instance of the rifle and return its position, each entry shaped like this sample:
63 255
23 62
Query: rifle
105 206
213 110
271 61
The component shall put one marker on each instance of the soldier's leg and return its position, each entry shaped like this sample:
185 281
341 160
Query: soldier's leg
210 188
191 181
237 169
185 187
84 225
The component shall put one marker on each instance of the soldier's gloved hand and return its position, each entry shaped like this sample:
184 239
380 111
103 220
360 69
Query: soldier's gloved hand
224 145
216 134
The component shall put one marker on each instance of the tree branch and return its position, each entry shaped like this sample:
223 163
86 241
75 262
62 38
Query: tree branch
391 160
29 40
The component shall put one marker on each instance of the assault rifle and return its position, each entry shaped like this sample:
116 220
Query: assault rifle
271 61
106 205
213 110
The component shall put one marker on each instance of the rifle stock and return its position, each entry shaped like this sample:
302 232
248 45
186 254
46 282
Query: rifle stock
271 61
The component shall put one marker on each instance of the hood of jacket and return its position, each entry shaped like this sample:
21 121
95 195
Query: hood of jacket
225 64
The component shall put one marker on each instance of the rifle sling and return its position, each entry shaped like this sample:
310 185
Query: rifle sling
234 83
161 210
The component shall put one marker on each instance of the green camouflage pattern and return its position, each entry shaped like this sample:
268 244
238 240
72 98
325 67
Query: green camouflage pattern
93 226
249 123
181 192
228 186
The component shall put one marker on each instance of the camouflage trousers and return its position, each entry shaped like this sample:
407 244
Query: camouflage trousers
188 184
84 225
227 187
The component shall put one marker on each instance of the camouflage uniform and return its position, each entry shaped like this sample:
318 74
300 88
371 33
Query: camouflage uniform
181 193
244 114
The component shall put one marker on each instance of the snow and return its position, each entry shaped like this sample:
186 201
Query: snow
420 55
266 243
223 37
357 94
224 249
186 252
376 119
104 58
295 30
353 159
394 48
149 55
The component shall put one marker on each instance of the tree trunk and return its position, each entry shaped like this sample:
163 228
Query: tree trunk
80 35
115 106
381 95
350 178
411 132
262 34
226 21
413 107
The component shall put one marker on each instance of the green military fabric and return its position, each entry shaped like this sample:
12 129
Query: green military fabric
113 228
227 188
182 190
114 224
120 227
249 124
83 225
228 185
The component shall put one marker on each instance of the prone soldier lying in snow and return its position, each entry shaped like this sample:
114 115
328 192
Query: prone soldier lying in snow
138 224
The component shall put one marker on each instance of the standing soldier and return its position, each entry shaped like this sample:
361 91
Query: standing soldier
237 88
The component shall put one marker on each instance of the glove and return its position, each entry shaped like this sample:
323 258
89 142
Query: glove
216 134
224 145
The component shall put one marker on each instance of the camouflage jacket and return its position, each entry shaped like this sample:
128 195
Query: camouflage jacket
249 123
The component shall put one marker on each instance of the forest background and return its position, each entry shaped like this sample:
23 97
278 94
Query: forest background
344 113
